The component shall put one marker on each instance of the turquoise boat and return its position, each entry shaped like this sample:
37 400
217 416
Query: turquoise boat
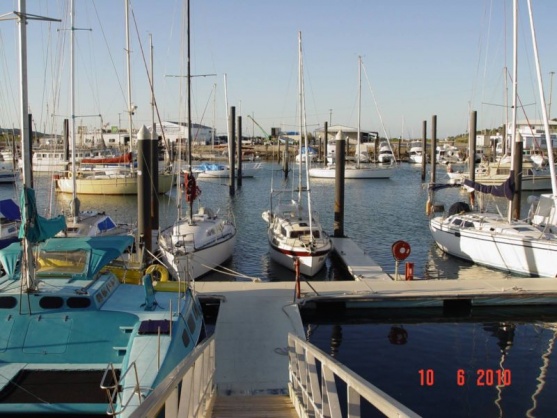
80 342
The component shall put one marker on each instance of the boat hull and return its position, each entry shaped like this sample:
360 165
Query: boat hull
109 184
310 263
503 249
200 258
351 173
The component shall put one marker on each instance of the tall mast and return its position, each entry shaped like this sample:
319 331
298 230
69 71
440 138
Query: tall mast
128 63
543 104
300 95
75 201
188 77
514 101
359 110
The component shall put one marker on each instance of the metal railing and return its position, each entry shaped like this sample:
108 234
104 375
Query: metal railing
314 391
188 390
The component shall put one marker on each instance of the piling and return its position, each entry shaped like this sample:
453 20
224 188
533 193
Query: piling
239 179
154 179
433 147
326 141
424 149
472 145
338 226
144 170
231 150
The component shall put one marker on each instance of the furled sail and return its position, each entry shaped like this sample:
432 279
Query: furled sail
34 227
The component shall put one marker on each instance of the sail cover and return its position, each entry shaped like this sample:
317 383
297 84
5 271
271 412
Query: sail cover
34 227
9 210
505 189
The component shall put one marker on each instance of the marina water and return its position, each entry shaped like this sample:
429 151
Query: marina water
438 366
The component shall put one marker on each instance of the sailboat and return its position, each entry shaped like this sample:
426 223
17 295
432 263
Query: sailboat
524 247
119 180
357 170
75 340
296 238
195 243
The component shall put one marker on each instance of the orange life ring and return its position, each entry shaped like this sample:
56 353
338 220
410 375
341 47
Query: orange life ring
401 250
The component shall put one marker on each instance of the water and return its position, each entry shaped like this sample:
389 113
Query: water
423 372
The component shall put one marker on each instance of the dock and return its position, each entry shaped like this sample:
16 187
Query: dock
256 322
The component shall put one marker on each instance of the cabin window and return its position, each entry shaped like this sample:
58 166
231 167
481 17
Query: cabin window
51 302
154 327
457 222
468 224
63 262
78 302
316 234
8 302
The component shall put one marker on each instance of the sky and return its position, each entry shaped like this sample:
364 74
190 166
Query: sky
419 59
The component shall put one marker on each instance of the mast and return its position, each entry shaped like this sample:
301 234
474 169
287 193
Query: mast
128 64
359 111
300 97
303 131
543 105
27 268
74 205
514 102
188 77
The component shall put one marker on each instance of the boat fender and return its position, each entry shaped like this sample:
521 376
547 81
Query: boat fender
428 207
158 272
401 250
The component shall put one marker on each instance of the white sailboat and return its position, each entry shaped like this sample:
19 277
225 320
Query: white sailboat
524 247
357 170
294 232
196 243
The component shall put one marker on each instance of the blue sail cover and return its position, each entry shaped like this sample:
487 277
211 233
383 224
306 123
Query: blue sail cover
9 210
34 227
505 189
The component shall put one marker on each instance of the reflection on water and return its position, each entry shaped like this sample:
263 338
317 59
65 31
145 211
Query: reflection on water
497 367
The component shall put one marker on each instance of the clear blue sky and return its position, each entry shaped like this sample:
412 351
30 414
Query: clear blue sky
421 58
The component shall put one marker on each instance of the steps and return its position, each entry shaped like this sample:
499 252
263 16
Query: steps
259 406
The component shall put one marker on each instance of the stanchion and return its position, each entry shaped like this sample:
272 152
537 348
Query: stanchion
297 272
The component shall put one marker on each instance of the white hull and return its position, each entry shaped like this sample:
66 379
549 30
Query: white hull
529 182
196 249
309 265
493 242
109 184
351 172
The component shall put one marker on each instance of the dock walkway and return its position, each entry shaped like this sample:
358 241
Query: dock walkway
254 319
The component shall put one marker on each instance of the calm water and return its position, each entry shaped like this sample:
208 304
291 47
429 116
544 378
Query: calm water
443 367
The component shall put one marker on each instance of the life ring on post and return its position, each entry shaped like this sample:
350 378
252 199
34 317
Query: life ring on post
401 250
158 272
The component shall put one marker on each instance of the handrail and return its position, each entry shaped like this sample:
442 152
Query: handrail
318 396
188 389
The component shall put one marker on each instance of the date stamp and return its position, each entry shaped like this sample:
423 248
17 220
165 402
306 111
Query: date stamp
479 377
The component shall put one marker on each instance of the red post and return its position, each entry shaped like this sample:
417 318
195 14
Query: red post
409 271
297 271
